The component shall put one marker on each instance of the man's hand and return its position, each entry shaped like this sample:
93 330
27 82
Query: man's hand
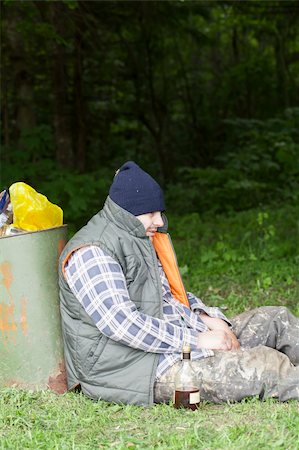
215 340
216 324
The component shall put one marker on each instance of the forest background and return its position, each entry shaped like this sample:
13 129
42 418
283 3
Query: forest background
204 95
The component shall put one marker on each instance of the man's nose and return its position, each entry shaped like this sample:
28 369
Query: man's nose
158 220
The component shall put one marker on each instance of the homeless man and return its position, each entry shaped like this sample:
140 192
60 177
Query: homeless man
126 314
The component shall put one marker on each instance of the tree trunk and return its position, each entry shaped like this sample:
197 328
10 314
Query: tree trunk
4 98
281 71
24 115
80 129
61 115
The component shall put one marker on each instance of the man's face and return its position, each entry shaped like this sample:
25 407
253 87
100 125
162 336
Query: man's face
151 221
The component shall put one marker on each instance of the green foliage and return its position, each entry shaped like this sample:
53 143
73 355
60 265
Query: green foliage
241 261
259 165
193 91
158 82
35 143
80 195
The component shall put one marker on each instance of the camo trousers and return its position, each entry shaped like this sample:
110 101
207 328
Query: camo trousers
267 364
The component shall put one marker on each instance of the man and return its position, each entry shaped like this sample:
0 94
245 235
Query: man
126 315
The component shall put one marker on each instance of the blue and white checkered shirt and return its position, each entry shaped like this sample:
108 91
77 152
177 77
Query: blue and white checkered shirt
98 282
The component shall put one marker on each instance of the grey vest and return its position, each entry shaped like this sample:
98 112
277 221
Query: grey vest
105 368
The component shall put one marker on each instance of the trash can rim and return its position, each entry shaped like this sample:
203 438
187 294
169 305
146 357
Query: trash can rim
33 231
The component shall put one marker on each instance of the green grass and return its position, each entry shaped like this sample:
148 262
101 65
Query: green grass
43 420
239 262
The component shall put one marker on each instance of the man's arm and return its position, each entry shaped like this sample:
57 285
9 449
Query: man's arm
213 318
220 325
97 281
197 305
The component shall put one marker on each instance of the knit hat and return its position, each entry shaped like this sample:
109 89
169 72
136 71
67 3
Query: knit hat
136 191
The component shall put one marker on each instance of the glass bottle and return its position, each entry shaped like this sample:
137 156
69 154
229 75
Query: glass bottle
186 384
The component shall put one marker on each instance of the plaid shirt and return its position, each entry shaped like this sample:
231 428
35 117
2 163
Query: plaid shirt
98 282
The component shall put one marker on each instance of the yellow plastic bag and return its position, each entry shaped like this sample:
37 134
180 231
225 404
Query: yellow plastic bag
31 210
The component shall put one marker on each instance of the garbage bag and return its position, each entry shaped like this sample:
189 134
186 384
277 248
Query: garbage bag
33 211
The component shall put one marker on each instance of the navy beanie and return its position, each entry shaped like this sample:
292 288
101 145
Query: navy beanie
136 191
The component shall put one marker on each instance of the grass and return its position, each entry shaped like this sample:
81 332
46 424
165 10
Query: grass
241 261
238 262
43 420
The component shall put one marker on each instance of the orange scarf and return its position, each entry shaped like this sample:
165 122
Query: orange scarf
167 257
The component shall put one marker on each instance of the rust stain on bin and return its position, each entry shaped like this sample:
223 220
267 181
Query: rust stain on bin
57 382
23 319
7 321
61 245
5 269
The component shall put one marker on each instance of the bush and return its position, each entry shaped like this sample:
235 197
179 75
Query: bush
259 165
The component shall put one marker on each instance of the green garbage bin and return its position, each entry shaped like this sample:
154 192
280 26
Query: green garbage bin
31 350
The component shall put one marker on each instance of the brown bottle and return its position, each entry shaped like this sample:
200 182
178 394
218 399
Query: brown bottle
186 384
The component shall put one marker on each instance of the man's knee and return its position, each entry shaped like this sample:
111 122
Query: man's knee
282 311
269 359
273 310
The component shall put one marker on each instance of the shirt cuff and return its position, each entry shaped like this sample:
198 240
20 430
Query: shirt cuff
197 306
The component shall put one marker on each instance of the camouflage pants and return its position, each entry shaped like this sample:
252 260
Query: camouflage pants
267 364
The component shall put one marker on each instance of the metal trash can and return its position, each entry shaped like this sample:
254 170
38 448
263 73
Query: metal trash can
31 349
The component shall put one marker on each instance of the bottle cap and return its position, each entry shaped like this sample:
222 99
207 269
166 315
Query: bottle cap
186 349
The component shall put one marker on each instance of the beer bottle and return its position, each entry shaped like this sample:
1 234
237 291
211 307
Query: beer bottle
186 383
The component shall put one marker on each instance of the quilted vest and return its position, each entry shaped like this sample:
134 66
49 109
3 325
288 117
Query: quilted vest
104 368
